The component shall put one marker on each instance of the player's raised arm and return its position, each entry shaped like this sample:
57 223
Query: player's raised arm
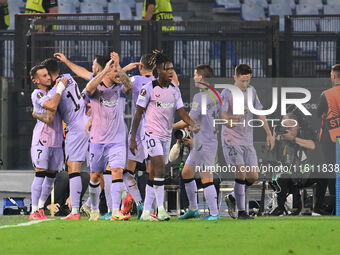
127 85
93 84
135 125
78 70
47 116
53 103
131 66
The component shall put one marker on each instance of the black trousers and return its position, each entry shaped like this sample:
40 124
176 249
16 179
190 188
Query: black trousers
62 187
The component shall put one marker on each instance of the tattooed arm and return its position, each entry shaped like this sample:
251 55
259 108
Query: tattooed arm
47 116
127 85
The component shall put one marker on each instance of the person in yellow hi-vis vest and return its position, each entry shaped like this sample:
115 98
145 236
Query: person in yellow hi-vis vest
158 10
41 6
4 14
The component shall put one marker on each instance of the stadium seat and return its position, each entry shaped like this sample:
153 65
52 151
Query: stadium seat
15 6
252 11
316 3
281 10
284 2
131 3
229 4
122 8
91 7
139 10
331 9
65 6
307 9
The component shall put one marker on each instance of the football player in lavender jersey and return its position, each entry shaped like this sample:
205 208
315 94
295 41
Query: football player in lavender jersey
46 150
160 99
72 108
202 157
138 81
107 92
237 141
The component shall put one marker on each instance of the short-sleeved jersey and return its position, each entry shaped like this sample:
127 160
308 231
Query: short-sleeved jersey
50 135
207 132
240 134
138 82
108 106
160 104
72 105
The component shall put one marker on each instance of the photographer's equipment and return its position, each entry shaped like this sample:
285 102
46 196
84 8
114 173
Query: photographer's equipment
182 133
14 206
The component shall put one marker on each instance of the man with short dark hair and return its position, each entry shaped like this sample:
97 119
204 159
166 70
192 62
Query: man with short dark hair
160 99
202 157
46 150
238 148
72 108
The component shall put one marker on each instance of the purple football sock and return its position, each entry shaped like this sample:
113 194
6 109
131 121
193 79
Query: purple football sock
240 196
107 189
116 193
131 184
94 191
158 186
75 190
210 195
191 190
47 187
149 196
36 189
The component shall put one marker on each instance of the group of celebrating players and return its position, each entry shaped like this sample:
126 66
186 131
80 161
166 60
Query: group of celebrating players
97 133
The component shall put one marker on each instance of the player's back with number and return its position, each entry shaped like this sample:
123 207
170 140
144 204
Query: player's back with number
72 106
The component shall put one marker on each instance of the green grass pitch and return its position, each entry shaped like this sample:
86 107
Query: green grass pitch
265 235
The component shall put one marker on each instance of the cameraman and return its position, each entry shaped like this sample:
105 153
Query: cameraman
295 140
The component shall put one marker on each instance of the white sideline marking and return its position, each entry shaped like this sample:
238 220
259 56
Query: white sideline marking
23 224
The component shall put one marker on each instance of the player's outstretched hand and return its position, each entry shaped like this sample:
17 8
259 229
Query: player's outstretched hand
60 56
133 146
131 66
115 57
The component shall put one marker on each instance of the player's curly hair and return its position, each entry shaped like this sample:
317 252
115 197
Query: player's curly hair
158 58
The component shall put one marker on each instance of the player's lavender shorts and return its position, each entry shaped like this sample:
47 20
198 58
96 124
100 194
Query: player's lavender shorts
113 154
240 155
140 153
204 155
76 145
49 158
156 147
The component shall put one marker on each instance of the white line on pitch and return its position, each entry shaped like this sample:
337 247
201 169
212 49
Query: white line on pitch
23 224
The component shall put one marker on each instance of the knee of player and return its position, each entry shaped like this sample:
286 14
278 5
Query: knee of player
95 177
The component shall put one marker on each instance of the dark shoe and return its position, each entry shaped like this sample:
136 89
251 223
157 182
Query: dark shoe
320 211
231 203
242 215
277 212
